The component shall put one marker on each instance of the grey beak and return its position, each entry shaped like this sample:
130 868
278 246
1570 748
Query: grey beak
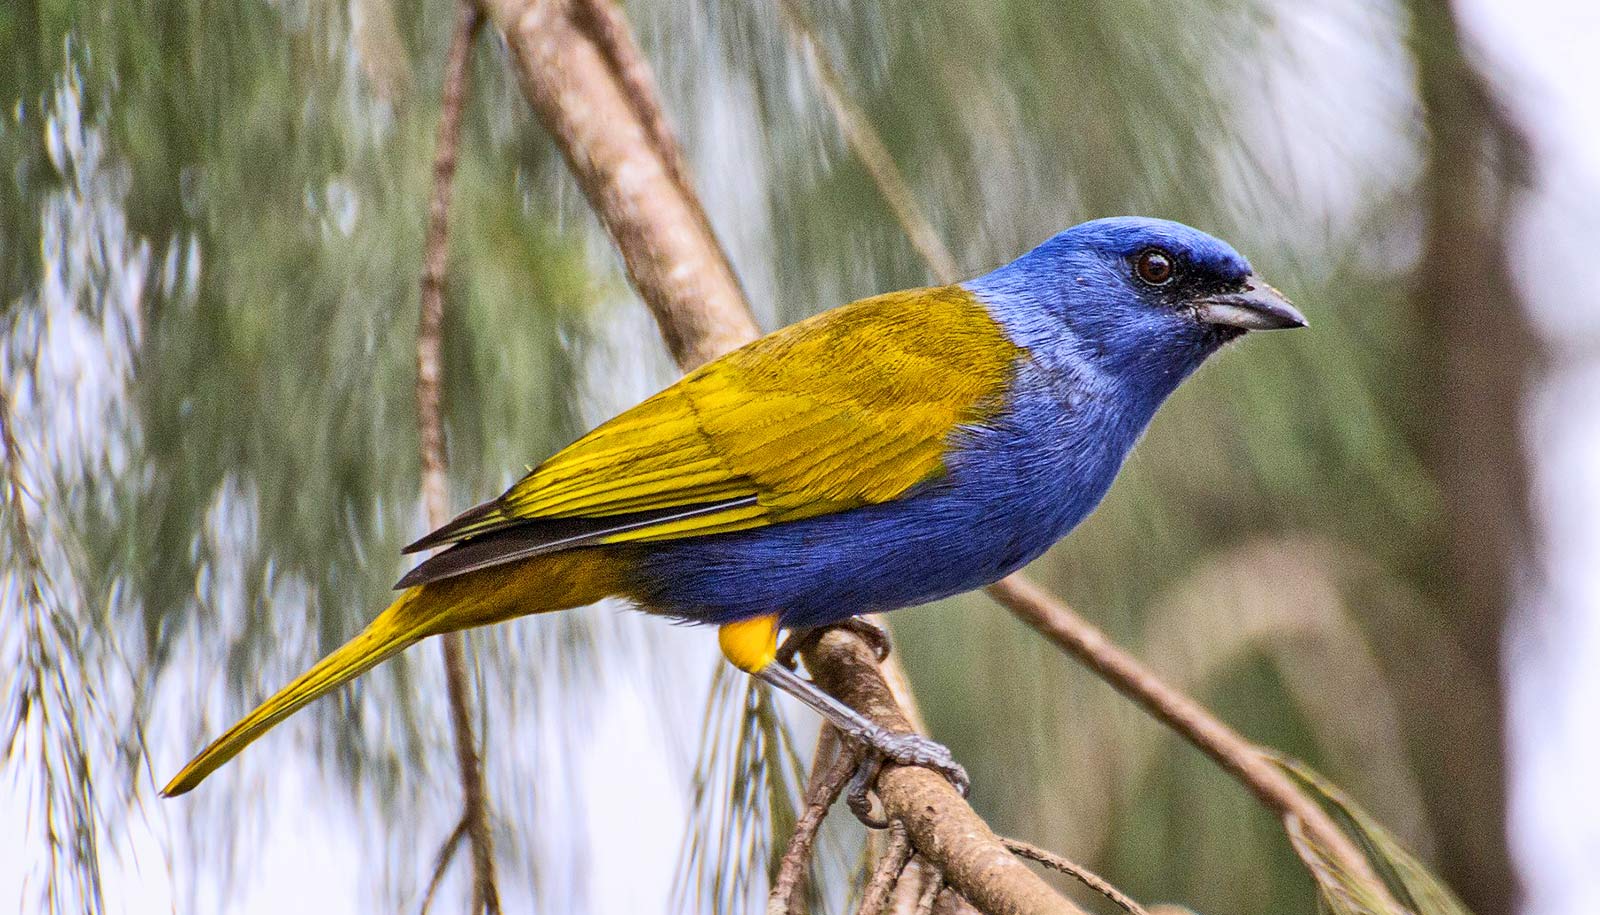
1256 307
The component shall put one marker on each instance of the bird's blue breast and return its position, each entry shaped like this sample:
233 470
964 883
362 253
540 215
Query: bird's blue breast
1013 488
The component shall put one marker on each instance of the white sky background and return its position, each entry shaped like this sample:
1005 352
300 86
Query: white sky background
633 788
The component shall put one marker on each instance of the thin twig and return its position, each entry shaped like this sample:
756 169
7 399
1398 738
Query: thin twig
884 877
830 770
1079 873
870 149
430 435
441 863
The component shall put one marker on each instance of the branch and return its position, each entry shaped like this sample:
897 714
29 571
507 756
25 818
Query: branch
1077 872
886 875
831 766
430 436
1227 747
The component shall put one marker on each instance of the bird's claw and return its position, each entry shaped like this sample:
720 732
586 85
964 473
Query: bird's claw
875 635
904 750
859 794
801 639
795 642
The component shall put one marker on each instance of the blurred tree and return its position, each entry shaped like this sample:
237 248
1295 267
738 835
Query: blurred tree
1474 359
255 174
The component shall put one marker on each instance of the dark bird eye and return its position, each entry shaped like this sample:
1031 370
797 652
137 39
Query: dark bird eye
1155 267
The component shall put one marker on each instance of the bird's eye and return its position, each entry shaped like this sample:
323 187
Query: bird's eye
1155 267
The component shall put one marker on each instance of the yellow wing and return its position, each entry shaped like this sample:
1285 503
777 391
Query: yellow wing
852 407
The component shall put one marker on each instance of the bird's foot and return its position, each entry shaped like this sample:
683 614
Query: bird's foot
904 750
795 642
801 639
875 635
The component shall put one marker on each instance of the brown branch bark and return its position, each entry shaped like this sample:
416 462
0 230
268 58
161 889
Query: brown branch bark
430 435
677 267
1077 872
886 875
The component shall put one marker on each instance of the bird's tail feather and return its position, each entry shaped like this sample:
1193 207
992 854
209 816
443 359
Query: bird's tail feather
392 631
555 582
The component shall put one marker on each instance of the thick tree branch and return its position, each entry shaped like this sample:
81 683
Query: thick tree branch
430 434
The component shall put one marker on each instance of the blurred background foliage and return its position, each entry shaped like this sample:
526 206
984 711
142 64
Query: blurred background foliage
211 222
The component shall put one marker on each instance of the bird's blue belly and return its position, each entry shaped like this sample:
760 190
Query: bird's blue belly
825 569
1008 497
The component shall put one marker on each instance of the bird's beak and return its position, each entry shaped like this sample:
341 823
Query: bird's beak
1255 307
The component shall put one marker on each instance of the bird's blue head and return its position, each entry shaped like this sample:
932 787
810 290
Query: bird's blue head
1141 301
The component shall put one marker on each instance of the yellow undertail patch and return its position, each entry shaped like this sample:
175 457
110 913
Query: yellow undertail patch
750 644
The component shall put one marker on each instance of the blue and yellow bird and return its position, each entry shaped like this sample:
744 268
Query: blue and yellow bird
900 449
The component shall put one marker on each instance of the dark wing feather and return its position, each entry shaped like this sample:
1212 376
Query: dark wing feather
526 539
483 518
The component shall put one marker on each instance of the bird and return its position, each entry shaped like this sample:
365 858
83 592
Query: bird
899 449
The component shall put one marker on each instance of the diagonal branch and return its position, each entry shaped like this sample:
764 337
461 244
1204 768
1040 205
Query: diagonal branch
1077 872
1237 755
430 435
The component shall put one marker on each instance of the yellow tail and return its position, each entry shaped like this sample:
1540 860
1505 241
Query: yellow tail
393 631
554 582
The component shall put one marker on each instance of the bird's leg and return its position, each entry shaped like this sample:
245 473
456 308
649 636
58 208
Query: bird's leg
881 743
752 646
